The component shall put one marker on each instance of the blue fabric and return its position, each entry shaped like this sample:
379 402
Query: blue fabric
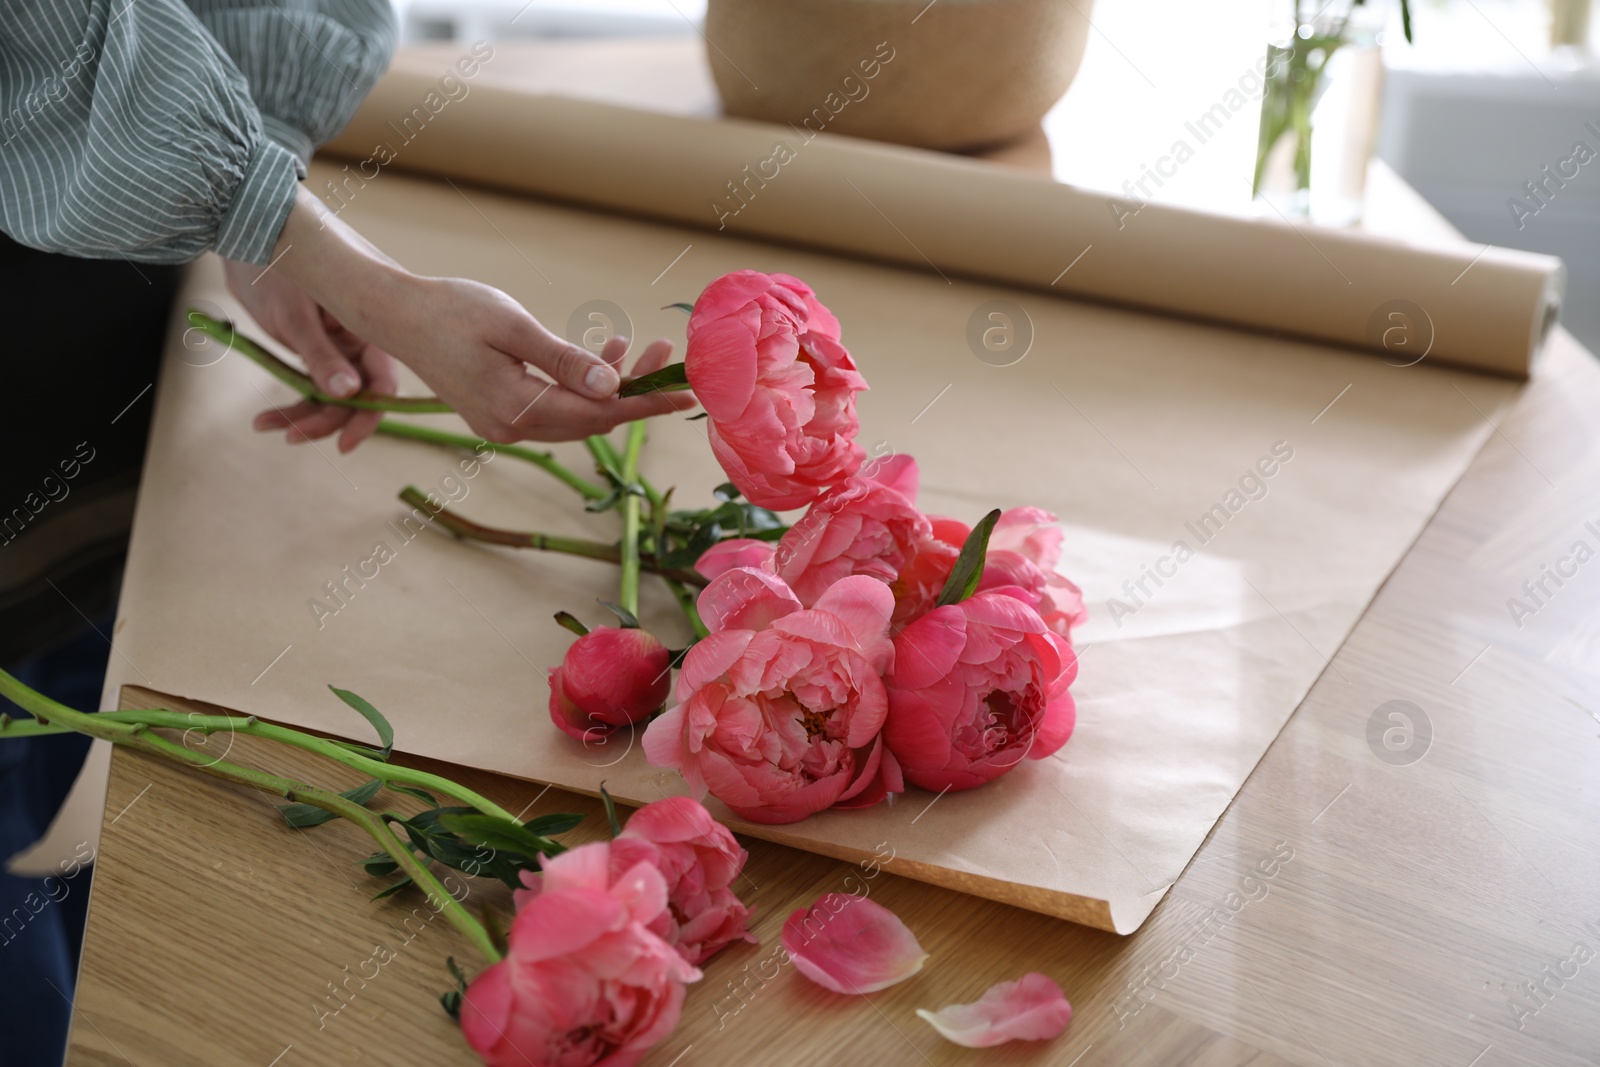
41 919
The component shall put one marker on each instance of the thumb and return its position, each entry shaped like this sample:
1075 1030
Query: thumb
333 372
574 367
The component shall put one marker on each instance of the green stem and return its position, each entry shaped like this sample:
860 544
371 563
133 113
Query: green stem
250 726
572 546
605 453
137 736
690 612
302 383
543 460
630 519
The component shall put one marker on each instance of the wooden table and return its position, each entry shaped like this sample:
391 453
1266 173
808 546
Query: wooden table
1416 904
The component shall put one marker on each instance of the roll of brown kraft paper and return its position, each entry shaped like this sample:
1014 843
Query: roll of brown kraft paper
1477 306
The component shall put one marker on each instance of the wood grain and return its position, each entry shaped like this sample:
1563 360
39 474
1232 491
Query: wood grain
1406 904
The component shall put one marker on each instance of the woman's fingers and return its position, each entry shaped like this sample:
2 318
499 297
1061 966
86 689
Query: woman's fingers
304 421
577 369
378 369
613 352
303 329
657 354
562 415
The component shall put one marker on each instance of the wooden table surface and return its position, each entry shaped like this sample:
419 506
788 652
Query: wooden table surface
1429 901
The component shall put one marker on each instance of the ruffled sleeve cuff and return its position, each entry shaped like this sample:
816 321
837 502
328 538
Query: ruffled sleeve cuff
260 204
291 138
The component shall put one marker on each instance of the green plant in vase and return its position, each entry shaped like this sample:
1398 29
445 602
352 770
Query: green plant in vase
1294 82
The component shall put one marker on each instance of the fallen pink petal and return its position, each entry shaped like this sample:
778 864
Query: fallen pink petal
851 945
1032 1008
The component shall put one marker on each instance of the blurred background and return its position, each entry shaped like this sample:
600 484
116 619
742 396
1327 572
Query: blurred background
1487 95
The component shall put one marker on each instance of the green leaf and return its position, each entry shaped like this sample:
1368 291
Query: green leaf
685 308
381 756
371 714
451 1000
669 379
605 503
964 576
491 831
697 418
432 839
726 491
629 620
392 890
379 864
301 816
611 811
555 823
413 791
570 622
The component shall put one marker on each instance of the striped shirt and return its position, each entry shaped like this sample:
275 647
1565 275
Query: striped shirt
156 130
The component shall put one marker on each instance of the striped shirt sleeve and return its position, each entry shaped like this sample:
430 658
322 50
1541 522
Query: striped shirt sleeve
127 129
309 63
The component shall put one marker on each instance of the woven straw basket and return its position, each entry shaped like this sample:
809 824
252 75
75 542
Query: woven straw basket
954 74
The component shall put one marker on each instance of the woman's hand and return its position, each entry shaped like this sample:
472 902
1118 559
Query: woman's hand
472 344
341 363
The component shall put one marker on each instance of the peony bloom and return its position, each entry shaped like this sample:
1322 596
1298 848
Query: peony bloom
735 552
851 945
584 980
924 574
1032 1008
608 679
780 710
699 858
1024 549
764 359
976 688
866 525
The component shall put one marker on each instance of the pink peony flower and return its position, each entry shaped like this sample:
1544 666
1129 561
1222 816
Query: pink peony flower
924 574
1032 1008
868 524
1024 549
764 359
865 525
976 688
851 945
608 679
584 981
780 710
735 552
699 858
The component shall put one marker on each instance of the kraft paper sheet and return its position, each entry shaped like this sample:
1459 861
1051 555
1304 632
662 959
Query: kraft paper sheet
1129 426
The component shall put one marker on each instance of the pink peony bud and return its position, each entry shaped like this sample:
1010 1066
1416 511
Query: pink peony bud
608 679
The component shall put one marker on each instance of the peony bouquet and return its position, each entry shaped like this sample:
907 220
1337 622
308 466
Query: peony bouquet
833 659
